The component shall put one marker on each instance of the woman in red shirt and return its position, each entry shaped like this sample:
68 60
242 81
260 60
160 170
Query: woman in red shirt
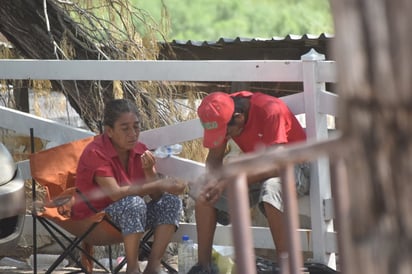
115 173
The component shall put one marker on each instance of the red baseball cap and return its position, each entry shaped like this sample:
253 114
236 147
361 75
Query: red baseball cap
215 111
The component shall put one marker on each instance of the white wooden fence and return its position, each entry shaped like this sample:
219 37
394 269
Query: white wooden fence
315 102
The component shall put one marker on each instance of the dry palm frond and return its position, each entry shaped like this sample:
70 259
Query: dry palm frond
116 29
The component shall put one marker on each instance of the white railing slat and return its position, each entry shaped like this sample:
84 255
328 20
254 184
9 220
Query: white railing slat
143 70
46 129
173 134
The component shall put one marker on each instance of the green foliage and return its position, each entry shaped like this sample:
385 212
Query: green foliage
212 19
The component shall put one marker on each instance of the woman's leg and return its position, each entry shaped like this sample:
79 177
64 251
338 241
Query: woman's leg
162 236
131 247
163 215
129 214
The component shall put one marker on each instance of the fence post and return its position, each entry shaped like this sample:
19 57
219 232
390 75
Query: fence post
316 129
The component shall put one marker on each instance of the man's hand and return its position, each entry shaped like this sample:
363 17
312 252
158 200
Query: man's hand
211 191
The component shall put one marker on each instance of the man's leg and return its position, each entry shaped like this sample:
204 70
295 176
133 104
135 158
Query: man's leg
206 226
272 205
276 225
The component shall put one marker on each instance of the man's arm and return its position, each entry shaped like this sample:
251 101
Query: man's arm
214 158
202 188
214 162
256 178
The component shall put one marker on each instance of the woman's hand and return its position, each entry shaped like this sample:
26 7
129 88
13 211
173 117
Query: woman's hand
148 160
173 186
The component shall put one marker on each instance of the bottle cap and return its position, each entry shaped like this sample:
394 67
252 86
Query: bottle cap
185 237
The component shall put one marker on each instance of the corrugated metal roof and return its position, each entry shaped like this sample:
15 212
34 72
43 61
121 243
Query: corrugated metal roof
224 40
290 47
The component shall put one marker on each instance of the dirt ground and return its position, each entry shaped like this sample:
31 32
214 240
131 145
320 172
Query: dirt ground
28 269
11 265
10 270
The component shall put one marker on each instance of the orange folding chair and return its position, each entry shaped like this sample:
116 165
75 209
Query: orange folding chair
55 170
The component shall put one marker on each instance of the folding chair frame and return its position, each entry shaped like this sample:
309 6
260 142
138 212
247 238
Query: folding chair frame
68 250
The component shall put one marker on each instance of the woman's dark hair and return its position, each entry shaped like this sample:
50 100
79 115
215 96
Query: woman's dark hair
115 108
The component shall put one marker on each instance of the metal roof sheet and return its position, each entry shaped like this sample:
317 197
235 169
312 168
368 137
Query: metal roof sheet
225 40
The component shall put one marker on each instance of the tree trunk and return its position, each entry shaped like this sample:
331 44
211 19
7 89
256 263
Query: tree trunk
373 48
24 24
21 95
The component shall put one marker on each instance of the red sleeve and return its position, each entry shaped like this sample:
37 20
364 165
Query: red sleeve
277 133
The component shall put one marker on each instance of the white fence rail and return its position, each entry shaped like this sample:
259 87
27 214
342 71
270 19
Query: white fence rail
315 102
256 70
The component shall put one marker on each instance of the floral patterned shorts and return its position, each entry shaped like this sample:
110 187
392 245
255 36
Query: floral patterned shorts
132 214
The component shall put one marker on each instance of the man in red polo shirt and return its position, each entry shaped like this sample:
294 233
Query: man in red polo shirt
253 121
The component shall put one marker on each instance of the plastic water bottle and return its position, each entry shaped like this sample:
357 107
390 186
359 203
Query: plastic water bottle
167 151
186 255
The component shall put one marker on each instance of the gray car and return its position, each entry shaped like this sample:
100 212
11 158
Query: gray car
12 201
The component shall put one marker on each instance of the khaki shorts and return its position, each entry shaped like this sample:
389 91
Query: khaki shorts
268 191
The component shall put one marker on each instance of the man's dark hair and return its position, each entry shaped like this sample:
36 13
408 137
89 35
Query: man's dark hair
240 104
